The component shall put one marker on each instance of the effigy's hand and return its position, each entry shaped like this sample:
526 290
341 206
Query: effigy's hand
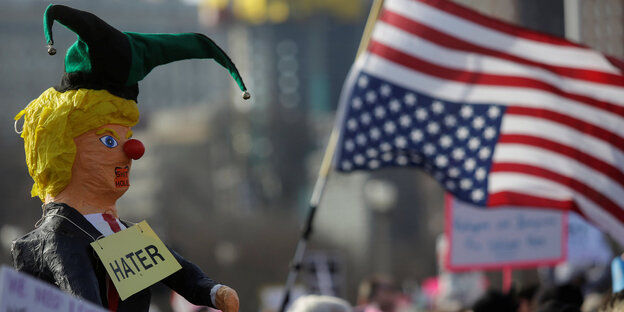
226 299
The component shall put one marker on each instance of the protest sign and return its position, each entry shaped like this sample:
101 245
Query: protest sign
587 245
135 259
24 293
481 238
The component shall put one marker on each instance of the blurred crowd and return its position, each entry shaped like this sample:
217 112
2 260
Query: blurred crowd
380 294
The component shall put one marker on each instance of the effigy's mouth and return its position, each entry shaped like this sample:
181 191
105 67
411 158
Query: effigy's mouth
122 177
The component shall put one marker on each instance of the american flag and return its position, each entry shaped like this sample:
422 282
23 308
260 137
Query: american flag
499 115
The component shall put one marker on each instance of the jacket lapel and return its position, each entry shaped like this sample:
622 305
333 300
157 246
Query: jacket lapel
68 220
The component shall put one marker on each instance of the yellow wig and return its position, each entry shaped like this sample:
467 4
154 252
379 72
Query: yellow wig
54 119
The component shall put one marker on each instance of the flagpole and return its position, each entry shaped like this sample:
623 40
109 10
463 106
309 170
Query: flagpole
325 169
370 22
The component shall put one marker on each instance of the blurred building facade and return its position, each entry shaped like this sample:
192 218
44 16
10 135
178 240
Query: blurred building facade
601 26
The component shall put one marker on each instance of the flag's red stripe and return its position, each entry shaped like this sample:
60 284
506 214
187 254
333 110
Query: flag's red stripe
598 198
451 42
588 160
613 139
418 64
486 21
509 198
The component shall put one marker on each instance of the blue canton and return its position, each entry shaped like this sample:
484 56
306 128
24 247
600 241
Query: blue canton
389 126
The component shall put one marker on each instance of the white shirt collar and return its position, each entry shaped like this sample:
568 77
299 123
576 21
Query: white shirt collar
101 225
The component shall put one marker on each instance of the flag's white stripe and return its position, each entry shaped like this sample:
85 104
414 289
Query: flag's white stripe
415 46
568 56
541 128
563 165
527 184
601 218
479 94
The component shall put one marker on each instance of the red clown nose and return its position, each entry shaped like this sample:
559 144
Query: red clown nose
134 149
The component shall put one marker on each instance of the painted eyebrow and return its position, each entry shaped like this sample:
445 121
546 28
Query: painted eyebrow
111 131
129 134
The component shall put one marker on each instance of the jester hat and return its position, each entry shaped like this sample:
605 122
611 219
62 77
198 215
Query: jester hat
104 58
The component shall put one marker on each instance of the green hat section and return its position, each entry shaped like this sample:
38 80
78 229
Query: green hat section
106 58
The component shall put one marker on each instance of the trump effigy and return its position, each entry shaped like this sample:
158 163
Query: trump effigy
79 151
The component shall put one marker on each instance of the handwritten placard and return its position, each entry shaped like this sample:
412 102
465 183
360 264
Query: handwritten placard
24 293
481 238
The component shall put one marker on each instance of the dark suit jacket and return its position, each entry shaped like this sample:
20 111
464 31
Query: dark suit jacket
58 252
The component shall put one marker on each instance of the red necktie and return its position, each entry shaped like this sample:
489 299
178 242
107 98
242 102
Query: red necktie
113 296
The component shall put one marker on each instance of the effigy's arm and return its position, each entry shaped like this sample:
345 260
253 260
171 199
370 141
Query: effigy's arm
199 289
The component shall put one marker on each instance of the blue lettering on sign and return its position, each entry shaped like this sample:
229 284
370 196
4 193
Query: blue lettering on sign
467 226
504 248
16 286
47 298
536 241
473 244
504 245
523 223
503 224
81 307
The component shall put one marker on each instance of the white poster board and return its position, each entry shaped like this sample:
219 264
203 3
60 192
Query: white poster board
587 245
24 293
495 238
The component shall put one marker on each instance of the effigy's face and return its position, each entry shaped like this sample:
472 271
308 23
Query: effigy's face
101 164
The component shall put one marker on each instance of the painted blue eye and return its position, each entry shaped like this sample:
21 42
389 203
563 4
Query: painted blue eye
109 141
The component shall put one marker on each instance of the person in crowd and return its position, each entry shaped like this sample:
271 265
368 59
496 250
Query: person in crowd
377 293
525 297
495 301
557 306
570 294
615 303
316 303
